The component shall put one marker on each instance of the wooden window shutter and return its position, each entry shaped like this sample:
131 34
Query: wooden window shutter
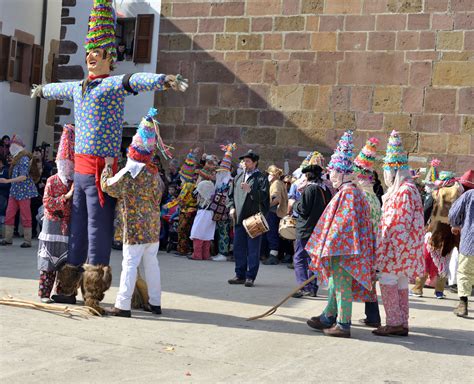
11 59
143 38
36 64
4 54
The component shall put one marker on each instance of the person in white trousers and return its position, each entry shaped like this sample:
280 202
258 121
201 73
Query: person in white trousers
138 188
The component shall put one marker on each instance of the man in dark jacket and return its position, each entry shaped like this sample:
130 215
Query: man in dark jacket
309 208
249 194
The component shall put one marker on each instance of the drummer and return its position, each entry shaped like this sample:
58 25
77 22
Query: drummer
309 208
249 195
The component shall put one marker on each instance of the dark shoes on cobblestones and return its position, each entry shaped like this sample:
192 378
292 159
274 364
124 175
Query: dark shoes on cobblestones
388 330
155 309
118 312
4 242
64 299
369 324
25 245
461 309
236 280
316 323
249 283
337 331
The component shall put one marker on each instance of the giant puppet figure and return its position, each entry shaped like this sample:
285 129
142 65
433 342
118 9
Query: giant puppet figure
98 110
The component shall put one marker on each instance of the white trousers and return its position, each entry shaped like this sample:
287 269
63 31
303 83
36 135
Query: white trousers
392 279
133 255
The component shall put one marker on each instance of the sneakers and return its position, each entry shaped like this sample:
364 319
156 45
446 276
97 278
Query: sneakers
461 309
249 282
219 257
302 293
415 294
46 300
236 280
440 295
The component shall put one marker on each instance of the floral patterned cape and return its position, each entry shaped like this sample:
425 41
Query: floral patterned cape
345 230
400 235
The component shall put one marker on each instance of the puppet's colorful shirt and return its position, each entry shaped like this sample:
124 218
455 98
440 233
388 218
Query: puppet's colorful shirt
345 230
98 111
400 235
22 190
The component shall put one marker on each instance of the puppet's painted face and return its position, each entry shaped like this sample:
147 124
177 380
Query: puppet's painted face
98 62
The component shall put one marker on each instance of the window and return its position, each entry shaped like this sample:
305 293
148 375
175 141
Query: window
4 55
135 38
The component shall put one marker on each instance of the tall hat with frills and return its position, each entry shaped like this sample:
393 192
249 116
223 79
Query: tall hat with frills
365 160
313 158
144 141
396 158
65 154
341 159
226 162
187 171
101 32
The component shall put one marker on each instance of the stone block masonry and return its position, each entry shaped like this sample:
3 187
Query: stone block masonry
282 76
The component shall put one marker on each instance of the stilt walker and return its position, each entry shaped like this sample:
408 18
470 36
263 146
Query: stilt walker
342 246
98 109
399 240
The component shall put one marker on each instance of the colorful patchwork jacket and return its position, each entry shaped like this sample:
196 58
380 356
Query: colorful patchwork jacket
98 110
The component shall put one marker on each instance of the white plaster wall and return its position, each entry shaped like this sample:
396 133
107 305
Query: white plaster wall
135 106
17 112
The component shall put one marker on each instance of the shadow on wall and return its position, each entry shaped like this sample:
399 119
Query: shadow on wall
234 97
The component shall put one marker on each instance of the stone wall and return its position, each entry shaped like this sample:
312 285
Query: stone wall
282 76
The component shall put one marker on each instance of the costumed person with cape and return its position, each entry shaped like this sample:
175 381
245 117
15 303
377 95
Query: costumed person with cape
342 246
399 239
98 110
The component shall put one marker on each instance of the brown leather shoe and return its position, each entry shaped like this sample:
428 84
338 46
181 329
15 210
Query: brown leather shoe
236 280
315 322
388 330
336 331
368 324
118 312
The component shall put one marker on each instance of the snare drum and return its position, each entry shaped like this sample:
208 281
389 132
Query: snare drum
287 228
256 225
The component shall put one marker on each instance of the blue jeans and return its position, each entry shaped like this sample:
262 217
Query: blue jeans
246 253
272 235
92 226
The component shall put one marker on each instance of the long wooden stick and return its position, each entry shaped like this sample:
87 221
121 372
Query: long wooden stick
272 310
82 311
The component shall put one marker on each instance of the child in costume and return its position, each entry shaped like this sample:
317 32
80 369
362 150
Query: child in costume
99 102
57 199
138 188
399 240
223 182
204 228
187 203
342 246
364 171
22 190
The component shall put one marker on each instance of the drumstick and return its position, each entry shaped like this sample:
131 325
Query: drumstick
272 310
